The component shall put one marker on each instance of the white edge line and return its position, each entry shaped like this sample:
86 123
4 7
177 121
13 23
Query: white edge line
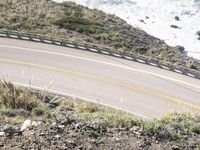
106 63
81 98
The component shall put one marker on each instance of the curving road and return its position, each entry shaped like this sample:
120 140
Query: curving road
144 90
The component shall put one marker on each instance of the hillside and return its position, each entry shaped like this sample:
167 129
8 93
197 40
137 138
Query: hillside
80 24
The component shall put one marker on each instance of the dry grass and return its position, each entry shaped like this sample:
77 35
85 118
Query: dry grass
17 98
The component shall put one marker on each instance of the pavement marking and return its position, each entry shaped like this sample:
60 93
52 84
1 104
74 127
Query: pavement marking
106 63
81 98
106 80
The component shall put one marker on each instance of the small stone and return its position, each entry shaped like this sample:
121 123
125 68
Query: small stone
34 123
61 126
175 27
134 128
25 125
175 147
2 133
198 33
177 18
57 136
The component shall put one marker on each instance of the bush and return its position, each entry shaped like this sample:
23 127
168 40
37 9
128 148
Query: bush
79 24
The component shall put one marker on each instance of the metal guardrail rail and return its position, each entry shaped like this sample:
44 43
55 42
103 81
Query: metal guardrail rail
65 43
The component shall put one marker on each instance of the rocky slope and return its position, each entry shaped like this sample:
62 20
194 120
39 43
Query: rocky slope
80 24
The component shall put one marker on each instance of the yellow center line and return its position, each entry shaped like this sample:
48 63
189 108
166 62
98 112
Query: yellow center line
106 80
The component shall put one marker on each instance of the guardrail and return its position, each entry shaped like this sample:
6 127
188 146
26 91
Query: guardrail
91 48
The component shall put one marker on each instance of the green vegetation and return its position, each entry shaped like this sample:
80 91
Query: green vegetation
78 24
174 126
97 113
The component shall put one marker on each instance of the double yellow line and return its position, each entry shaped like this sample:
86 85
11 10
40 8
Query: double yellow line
105 80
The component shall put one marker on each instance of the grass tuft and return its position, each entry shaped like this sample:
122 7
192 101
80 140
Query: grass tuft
17 98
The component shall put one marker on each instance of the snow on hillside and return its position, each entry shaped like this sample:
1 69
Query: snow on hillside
174 21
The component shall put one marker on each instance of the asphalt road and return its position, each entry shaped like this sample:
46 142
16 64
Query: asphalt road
144 90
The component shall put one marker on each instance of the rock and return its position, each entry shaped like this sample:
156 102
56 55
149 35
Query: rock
2 133
52 105
57 136
175 27
175 147
134 128
25 125
180 49
177 18
198 33
141 20
10 130
35 124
